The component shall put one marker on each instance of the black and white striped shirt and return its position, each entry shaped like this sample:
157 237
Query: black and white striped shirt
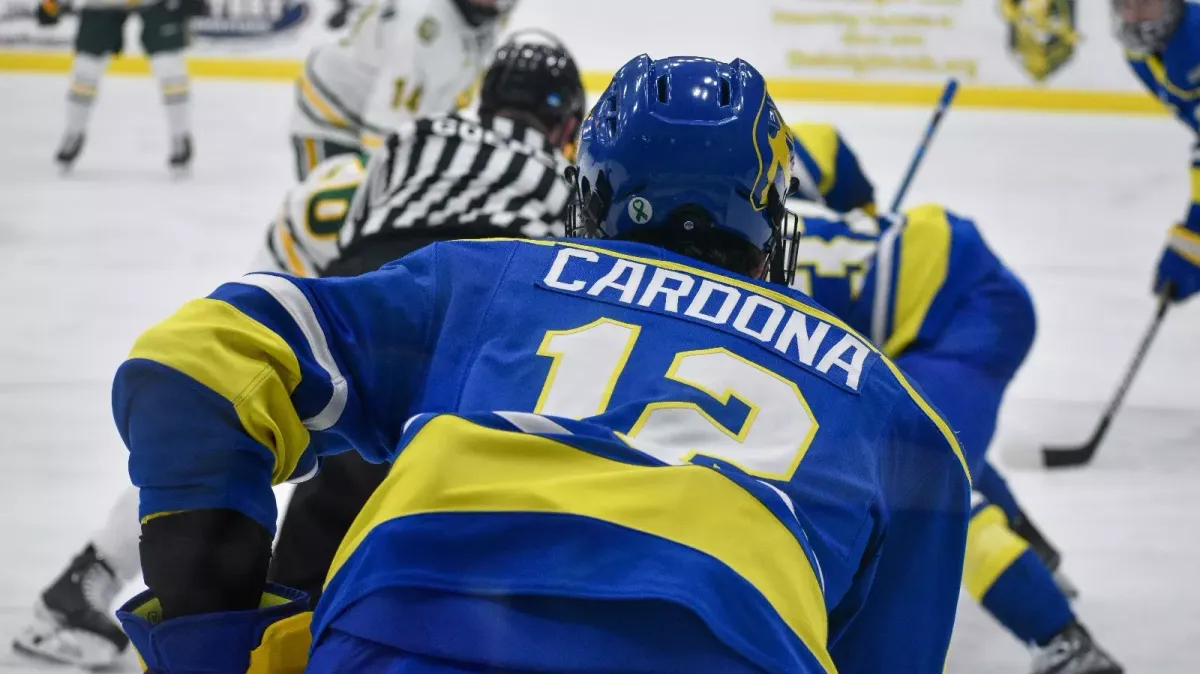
464 171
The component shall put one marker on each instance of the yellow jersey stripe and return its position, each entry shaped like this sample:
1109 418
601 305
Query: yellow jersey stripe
821 141
322 106
1159 72
991 548
936 418
241 360
924 264
370 140
488 470
295 265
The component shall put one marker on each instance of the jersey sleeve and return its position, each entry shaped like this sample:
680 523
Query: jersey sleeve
245 388
851 189
1143 72
833 168
907 597
1193 214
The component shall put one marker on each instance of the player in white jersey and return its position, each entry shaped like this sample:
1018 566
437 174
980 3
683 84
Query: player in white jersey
303 238
400 59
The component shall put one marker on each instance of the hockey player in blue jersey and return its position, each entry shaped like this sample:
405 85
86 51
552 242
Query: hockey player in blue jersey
1162 43
927 289
698 472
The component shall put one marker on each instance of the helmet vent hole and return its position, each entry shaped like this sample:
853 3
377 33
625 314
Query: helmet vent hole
724 92
663 92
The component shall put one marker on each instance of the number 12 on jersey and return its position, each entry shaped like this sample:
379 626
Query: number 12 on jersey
770 441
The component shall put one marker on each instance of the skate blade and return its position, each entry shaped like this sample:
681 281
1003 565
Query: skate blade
46 640
1066 585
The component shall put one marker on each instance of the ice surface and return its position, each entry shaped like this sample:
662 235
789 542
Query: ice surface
1078 205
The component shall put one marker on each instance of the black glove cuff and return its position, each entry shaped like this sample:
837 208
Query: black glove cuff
205 561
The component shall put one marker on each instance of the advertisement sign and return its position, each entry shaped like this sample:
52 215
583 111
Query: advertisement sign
1034 54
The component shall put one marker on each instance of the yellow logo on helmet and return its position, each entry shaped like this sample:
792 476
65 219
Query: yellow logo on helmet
773 141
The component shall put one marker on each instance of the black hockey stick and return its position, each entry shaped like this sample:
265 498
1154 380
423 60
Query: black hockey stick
1065 457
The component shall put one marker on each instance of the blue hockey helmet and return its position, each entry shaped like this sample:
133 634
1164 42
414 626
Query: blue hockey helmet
681 148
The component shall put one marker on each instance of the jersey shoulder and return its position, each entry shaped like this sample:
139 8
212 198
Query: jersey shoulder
315 211
318 205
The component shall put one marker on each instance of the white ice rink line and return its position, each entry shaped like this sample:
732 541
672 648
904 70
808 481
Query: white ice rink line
1077 205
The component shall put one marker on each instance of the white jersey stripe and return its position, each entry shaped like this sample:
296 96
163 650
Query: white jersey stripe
292 299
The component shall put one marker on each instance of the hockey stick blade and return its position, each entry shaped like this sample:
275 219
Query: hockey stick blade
1070 457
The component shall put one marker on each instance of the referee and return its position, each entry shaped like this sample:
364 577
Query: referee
494 173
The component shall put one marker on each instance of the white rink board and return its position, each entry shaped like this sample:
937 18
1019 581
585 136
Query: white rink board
844 41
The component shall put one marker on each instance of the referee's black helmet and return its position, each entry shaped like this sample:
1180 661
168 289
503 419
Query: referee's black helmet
533 72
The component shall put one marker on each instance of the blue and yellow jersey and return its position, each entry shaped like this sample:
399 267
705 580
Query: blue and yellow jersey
1173 77
898 284
769 470
828 171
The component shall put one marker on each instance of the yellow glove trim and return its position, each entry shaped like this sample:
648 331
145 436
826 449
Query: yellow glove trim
284 647
1185 242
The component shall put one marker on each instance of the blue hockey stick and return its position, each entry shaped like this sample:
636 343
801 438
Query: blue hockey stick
930 131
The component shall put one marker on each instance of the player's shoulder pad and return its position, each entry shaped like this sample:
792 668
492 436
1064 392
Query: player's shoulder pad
925 413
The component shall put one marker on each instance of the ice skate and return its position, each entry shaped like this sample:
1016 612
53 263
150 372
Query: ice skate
1074 652
180 161
69 151
71 622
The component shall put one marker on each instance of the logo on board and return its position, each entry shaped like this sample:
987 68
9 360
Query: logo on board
1042 34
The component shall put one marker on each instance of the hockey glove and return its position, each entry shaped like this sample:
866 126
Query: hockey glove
274 639
48 12
1179 267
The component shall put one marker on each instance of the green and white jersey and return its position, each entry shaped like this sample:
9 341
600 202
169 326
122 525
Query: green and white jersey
303 238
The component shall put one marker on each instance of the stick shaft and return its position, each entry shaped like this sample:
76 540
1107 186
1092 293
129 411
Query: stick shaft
1164 302
1057 457
931 130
